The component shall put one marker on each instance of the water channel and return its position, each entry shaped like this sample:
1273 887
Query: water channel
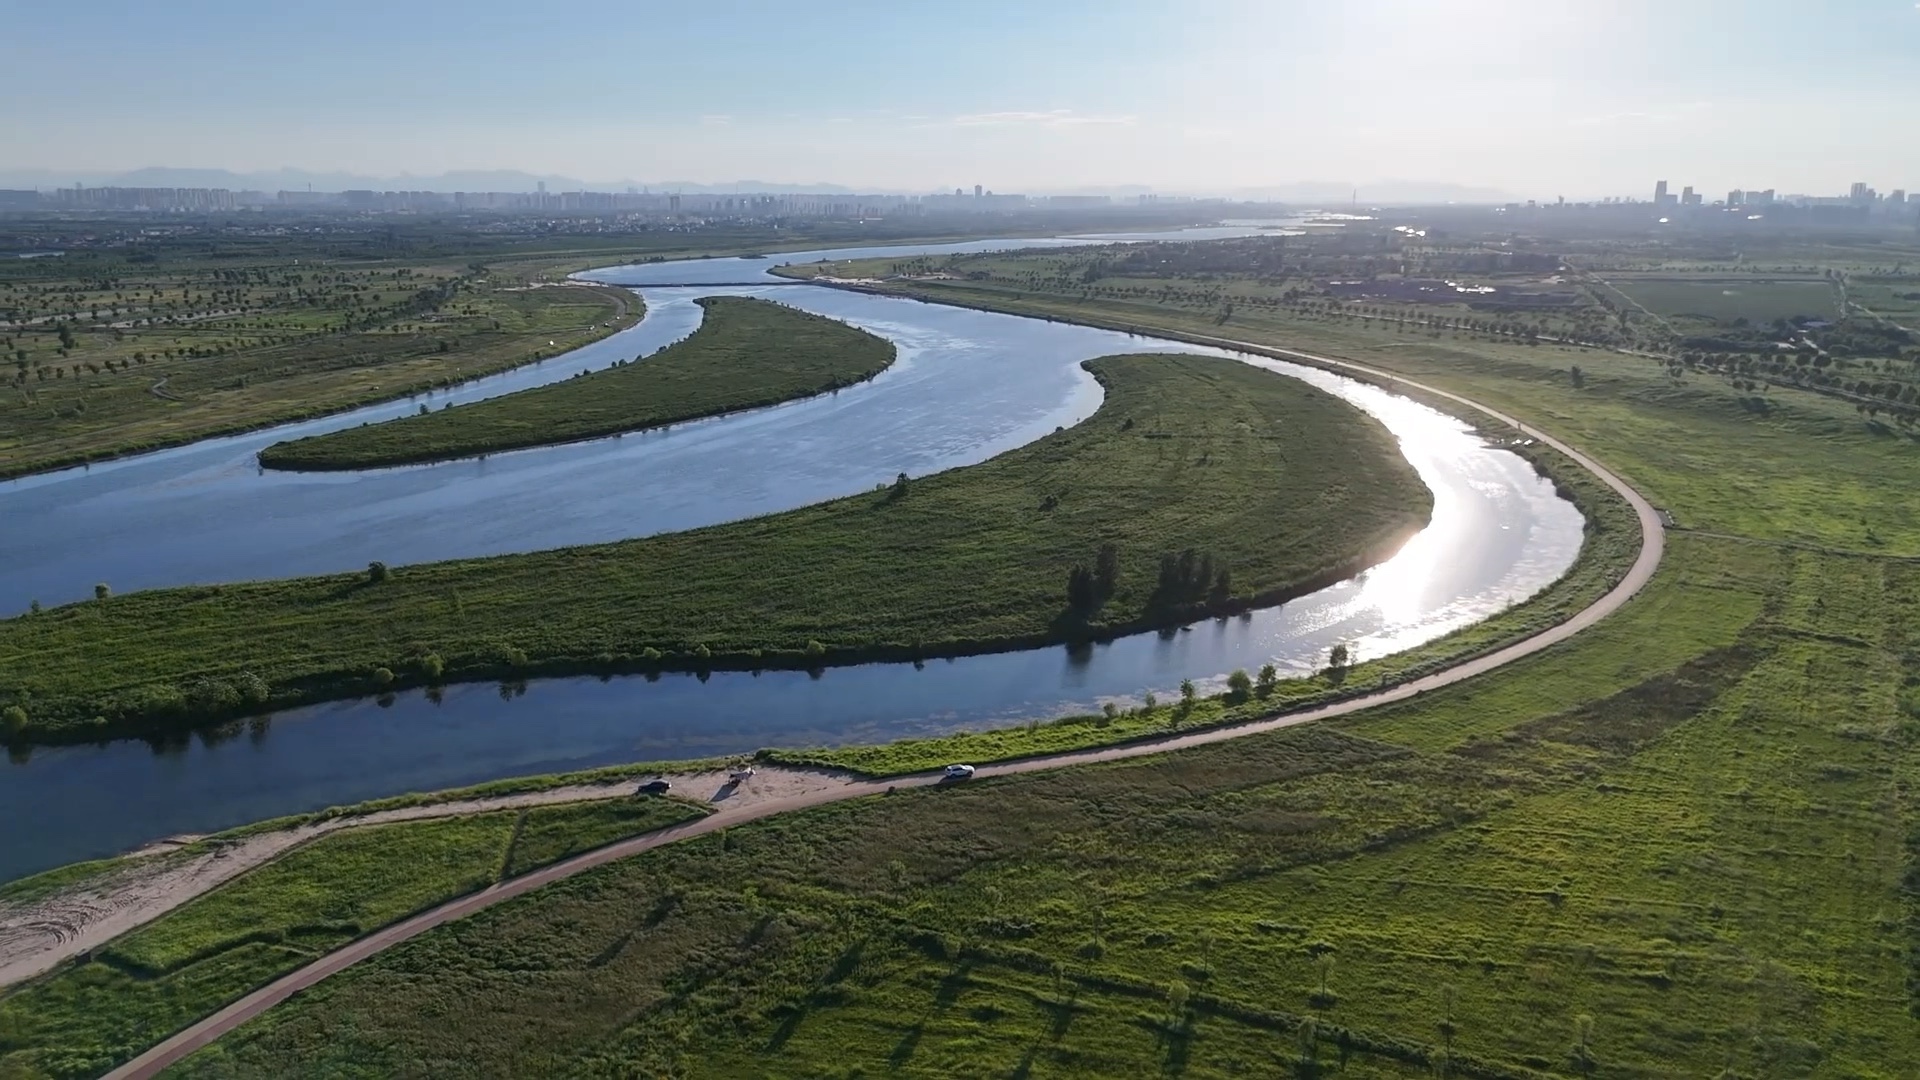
968 385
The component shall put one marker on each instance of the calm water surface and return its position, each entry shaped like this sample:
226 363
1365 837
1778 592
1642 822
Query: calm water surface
968 385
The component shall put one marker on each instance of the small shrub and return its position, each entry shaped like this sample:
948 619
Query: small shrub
1239 686
252 688
432 666
382 676
702 651
1268 679
650 653
13 719
815 648
212 696
376 572
101 592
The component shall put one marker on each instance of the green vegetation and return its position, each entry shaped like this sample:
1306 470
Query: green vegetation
1197 488
1682 843
547 834
1612 542
111 355
1730 300
88 1017
1684 827
746 354
138 338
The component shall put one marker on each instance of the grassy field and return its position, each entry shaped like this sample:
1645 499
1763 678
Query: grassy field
1726 299
104 360
85 1018
1673 847
746 354
1679 844
1773 463
1204 475
1682 843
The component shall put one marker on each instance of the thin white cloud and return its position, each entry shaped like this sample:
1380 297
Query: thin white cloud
1048 118
716 119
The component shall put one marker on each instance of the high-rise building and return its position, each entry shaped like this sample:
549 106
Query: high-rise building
977 192
1736 197
1688 197
1897 197
1660 193
1860 193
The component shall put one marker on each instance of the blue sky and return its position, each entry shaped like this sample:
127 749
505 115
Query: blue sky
1542 98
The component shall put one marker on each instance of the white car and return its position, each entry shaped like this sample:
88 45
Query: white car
959 772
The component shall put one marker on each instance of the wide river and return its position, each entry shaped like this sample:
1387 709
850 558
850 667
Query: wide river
967 385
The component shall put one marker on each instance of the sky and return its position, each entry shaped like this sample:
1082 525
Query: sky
1541 98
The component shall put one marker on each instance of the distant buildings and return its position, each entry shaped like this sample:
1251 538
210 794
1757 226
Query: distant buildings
153 199
1861 201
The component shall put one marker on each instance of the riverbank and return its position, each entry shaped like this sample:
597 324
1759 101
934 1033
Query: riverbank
746 354
1190 470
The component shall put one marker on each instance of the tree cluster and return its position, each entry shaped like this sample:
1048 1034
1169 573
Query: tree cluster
1191 578
1088 589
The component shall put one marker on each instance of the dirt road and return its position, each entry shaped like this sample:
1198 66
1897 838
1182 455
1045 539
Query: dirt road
1652 547
38 935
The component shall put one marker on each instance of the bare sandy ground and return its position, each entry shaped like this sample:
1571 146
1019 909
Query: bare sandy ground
38 935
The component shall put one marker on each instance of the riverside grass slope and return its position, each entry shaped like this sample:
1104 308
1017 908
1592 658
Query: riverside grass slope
746 354
1186 454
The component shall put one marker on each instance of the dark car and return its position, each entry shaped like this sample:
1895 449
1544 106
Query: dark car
653 787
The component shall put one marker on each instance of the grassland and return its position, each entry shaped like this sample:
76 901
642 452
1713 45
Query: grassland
1680 844
1204 476
85 1018
1730 299
105 360
746 354
1672 847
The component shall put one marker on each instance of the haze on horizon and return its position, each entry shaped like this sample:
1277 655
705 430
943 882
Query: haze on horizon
1536 99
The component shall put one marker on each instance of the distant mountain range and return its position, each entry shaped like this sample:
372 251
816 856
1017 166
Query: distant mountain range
1318 193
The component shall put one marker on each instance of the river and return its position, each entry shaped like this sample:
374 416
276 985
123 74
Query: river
967 385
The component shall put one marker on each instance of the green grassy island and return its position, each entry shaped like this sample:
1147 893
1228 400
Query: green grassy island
745 355
1200 486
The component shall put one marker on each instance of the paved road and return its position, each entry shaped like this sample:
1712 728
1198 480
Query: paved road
1652 546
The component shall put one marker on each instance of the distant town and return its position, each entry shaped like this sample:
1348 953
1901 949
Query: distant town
166 200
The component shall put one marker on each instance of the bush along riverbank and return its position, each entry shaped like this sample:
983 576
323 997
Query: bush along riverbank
1201 487
747 354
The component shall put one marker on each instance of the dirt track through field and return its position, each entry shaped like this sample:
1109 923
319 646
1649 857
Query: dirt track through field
38 935
835 789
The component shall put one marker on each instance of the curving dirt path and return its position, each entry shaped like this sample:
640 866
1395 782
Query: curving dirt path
1652 547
